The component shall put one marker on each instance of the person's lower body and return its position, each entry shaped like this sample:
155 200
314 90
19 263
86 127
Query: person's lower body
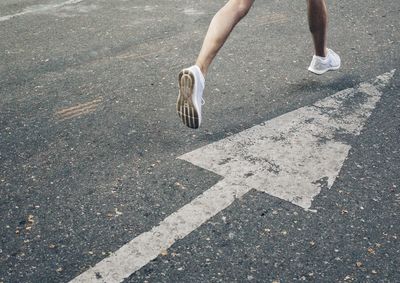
191 80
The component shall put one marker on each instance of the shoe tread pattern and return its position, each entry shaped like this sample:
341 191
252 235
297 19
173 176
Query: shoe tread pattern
184 105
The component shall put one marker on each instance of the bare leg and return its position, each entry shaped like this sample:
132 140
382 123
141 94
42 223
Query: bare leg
220 27
317 20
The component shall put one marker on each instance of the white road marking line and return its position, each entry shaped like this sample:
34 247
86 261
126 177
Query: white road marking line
193 12
275 157
39 9
147 246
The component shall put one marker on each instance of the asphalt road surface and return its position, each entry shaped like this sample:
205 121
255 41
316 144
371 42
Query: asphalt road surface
292 177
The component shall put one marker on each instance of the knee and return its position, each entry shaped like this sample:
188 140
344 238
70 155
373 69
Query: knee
242 7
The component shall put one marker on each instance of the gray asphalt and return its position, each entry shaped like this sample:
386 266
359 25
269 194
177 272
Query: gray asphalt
78 183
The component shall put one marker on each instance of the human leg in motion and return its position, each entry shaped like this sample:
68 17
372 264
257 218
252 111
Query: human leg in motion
191 80
324 59
317 21
220 27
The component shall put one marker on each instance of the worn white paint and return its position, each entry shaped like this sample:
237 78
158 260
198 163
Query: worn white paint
192 12
37 9
287 157
147 246
291 156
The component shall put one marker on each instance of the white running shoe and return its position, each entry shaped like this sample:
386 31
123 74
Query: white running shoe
188 105
320 65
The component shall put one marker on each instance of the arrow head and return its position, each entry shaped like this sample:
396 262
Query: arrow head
292 156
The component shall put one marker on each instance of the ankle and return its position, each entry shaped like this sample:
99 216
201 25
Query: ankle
203 69
323 53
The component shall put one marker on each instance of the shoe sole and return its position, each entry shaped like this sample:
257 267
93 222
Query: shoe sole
324 71
184 105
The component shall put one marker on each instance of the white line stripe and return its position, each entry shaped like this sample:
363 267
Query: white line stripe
147 246
39 9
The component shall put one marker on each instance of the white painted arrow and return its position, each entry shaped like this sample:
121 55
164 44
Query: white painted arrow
288 157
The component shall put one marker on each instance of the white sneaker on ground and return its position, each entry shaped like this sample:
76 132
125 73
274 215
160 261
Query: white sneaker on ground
320 65
188 105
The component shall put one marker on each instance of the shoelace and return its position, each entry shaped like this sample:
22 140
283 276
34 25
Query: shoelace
203 101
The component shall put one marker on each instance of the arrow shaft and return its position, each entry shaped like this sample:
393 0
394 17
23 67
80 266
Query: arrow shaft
148 246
